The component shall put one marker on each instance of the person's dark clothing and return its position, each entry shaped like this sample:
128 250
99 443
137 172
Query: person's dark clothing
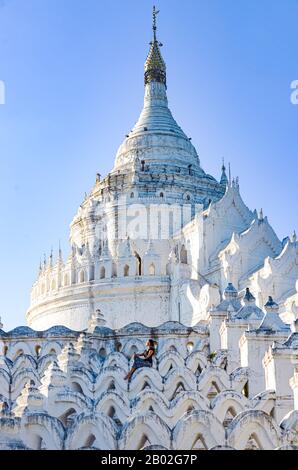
144 362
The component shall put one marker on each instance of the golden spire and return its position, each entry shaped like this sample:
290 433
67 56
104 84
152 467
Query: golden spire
155 67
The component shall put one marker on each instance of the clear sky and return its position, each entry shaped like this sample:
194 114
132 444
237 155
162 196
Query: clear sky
73 71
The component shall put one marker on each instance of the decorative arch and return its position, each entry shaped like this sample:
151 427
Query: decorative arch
102 274
177 381
228 404
126 270
20 347
51 347
76 387
115 405
100 430
82 277
183 255
169 360
174 345
102 352
116 358
114 269
66 280
196 361
19 352
145 377
212 381
132 345
143 431
41 431
152 269
38 350
253 427
20 378
110 378
139 264
194 427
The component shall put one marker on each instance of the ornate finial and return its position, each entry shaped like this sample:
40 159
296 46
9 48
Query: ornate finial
60 252
271 306
224 179
294 237
97 319
51 257
155 13
248 297
155 67
270 301
223 164
261 215
230 291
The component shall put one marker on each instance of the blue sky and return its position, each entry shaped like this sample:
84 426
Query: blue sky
73 71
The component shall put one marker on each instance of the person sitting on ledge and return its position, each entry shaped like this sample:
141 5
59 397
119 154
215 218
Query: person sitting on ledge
139 362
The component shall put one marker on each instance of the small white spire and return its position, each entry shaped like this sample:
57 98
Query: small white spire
51 257
60 252
97 320
248 298
261 215
271 305
150 248
223 180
